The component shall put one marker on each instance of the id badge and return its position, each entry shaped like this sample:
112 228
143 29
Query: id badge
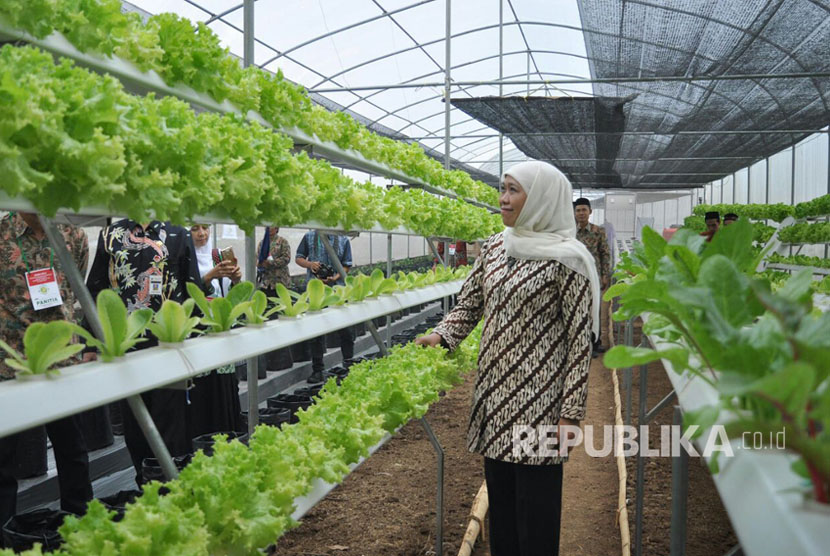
155 285
452 250
43 289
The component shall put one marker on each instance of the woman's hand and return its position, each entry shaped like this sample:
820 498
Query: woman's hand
430 340
222 270
567 435
235 274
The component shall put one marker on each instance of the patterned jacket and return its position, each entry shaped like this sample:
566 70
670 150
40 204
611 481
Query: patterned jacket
16 311
275 267
535 348
128 257
596 241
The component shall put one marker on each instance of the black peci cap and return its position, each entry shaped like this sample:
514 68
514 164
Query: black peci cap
712 215
582 201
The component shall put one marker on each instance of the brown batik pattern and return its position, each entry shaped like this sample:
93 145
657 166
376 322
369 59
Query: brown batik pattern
535 347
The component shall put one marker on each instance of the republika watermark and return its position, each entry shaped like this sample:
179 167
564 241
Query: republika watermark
626 440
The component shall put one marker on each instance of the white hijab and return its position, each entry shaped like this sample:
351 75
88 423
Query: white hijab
546 229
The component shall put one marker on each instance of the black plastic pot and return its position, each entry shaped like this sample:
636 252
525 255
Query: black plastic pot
379 321
270 416
310 391
353 361
30 457
332 340
301 352
22 531
117 502
421 328
292 402
242 369
339 371
205 442
359 329
96 428
151 468
402 339
279 359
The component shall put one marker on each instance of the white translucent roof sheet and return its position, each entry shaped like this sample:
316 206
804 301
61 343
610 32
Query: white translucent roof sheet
330 44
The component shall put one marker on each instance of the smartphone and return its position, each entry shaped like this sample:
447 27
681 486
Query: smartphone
227 254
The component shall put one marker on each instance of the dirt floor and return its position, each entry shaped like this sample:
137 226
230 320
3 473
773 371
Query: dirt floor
387 506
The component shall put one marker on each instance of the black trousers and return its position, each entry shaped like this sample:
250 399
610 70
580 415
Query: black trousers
318 347
71 460
168 408
525 508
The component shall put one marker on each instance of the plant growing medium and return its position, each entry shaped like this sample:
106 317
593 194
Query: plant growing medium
764 352
180 53
241 499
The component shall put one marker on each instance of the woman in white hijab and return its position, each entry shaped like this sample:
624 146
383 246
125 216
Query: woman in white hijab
214 399
536 287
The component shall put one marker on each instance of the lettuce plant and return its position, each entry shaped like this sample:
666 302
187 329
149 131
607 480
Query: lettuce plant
765 352
44 345
258 311
379 285
222 313
121 331
173 323
286 302
320 295
360 287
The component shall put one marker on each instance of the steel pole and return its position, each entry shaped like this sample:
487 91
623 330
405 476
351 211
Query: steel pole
136 402
501 86
439 452
679 494
389 275
250 238
447 77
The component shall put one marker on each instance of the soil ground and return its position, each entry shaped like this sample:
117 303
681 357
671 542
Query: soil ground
387 506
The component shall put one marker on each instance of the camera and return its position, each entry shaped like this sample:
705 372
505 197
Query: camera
325 271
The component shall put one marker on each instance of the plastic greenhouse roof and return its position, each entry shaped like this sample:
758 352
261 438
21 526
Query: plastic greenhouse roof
364 56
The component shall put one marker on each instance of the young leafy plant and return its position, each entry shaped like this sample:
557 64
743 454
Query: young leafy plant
44 345
286 304
361 287
258 311
173 323
320 295
121 331
379 285
222 313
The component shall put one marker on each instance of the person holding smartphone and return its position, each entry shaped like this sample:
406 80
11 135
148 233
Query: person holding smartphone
214 399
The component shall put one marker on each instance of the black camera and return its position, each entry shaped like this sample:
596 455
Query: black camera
325 272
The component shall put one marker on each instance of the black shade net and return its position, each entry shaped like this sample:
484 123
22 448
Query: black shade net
680 134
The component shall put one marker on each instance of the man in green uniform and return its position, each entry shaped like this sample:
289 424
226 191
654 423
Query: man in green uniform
595 240
25 252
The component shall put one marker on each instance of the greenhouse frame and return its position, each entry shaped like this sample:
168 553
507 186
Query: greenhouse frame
372 140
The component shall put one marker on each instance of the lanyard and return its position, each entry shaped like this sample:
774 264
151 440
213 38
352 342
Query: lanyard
26 261
320 250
